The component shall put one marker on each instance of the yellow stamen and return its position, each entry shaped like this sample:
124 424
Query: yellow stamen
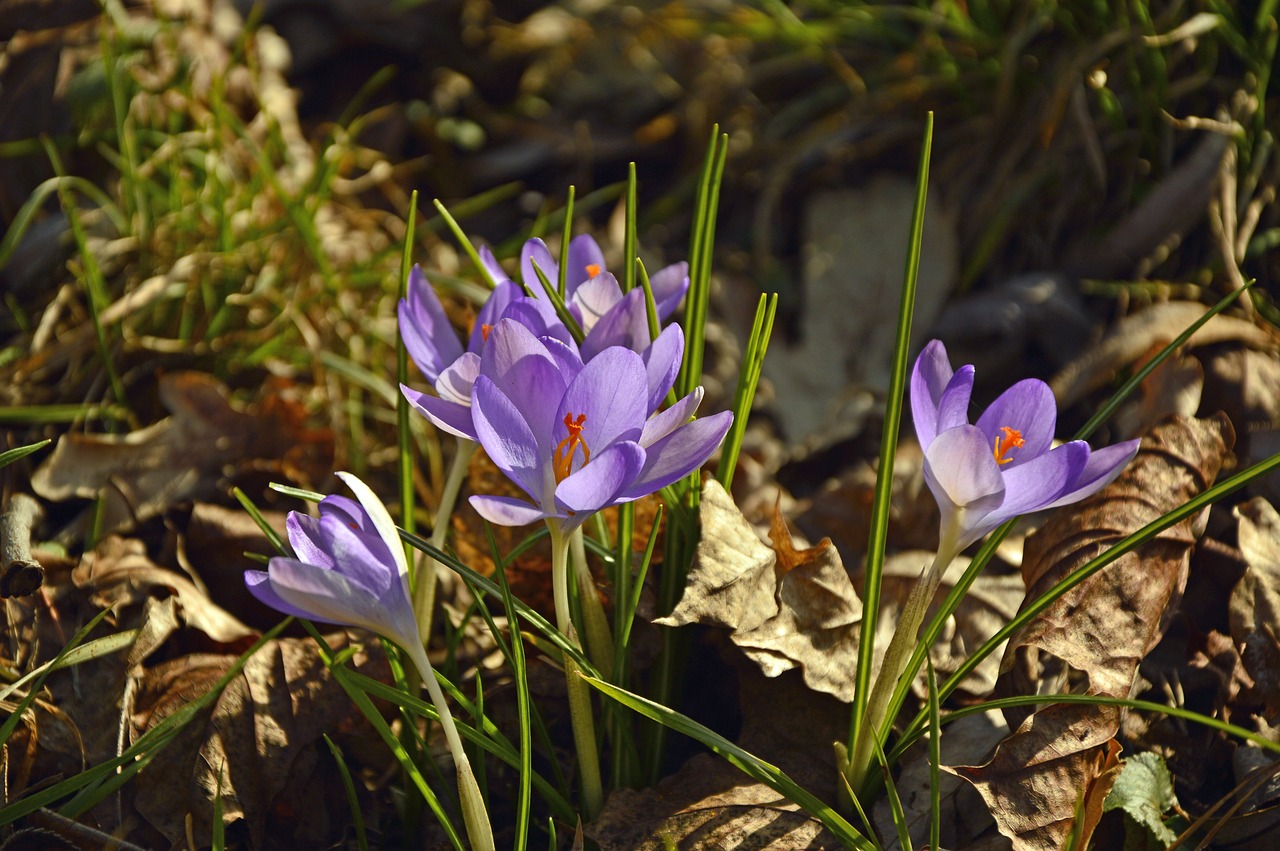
1012 440
562 460
593 269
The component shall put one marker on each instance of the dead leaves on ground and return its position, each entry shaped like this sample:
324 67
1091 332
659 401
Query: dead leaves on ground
1062 758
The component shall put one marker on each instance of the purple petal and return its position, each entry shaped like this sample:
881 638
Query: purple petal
304 536
597 485
491 311
679 453
428 336
1099 471
669 285
523 369
566 357
361 557
539 317
346 509
535 252
1036 483
584 253
660 425
381 521
505 435
929 378
455 383
328 596
961 471
492 268
611 393
507 511
1029 408
626 325
594 299
449 416
662 364
259 584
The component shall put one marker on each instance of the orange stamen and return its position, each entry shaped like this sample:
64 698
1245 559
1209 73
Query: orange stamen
485 328
593 269
1012 440
562 460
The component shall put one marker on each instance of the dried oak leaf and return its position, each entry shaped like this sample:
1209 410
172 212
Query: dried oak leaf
1093 638
181 458
787 608
255 746
1255 601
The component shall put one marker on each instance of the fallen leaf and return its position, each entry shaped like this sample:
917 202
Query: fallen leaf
804 616
1144 791
181 458
1255 601
1092 639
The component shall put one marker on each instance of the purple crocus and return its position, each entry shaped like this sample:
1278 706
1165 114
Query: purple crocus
1004 465
350 568
579 437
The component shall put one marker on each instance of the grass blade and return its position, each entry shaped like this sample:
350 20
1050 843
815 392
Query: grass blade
349 786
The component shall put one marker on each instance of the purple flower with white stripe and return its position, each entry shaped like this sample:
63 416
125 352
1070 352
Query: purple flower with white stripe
579 437
1004 465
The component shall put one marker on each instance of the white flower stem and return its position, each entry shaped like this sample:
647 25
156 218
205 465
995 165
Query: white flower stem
898 655
424 591
580 714
594 622
474 813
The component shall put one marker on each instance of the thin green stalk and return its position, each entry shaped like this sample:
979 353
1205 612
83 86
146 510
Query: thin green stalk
748 380
349 787
594 623
404 435
562 279
629 239
859 743
424 591
580 713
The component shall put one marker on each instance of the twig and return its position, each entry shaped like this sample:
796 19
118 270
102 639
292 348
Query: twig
20 574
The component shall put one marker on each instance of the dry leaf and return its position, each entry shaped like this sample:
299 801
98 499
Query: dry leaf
797 611
256 745
1255 601
181 458
1093 638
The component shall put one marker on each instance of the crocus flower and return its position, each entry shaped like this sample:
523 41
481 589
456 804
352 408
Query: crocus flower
1004 465
579 437
434 346
351 570
590 291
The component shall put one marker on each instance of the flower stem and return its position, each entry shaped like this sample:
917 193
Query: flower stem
474 814
595 624
580 715
424 592
896 657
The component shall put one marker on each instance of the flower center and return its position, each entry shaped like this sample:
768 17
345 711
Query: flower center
1012 440
562 461
485 328
593 269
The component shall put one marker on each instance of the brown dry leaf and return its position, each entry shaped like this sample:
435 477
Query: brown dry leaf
118 572
1173 387
181 458
1255 601
256 745
794 611
1093 638
706 804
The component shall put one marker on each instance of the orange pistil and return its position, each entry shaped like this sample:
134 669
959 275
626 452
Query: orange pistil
1012 440
593 269
485 328
562 461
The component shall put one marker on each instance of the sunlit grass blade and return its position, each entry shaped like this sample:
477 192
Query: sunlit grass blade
273 536
630 602
404 436
701 245
464 242
891 794
62 413
629 248
76 655
1126 545
519 673
879 527
26 214
36 681
752 766
349 787
748 380
566 234
558 303
10 455
935 761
